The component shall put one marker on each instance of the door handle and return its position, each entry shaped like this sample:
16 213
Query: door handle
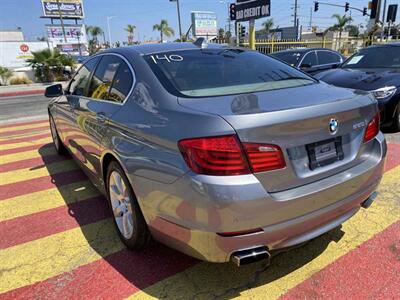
101 117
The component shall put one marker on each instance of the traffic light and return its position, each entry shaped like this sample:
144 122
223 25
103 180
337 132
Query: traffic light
374 6
364 11
242 31
232 11
347 7
316 6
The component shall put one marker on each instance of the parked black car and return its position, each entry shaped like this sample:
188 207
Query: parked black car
311 60
375 69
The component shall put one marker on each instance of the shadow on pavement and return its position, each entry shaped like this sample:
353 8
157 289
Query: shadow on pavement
143 269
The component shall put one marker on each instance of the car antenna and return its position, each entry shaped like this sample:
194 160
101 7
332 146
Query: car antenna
201 42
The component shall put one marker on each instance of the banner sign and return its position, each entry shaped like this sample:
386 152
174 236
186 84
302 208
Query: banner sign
251 10
68 8
74 34
204 24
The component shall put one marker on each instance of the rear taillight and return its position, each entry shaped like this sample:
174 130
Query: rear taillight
225 155
263 157
372 128
215 155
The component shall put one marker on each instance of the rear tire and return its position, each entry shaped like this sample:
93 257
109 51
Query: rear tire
128 217
396 120
58 144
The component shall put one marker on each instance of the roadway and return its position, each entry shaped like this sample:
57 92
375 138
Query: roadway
22 107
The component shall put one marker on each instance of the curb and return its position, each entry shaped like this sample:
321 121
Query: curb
22 93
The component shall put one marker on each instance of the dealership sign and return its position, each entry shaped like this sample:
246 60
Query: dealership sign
204 24
68 8
74 34
250 10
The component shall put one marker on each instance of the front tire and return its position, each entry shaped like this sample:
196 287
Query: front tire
60 148
128 218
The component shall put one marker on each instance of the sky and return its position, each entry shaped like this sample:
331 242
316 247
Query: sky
145 13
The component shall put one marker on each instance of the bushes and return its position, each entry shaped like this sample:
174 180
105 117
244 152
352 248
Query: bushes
5 74
20 80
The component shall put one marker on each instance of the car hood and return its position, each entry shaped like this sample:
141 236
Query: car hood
269 101
362 79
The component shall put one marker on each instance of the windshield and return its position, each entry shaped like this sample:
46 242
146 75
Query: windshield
216 72
374 58
290 58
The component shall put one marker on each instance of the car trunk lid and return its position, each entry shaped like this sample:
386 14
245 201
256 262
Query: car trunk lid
298 121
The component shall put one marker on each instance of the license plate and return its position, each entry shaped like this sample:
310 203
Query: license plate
325 152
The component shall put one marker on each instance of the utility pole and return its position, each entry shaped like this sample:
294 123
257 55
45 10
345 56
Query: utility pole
179 17
295 18
311 11
384 21
378 11
109 31
61 20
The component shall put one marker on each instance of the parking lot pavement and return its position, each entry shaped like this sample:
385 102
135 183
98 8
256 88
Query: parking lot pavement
58 241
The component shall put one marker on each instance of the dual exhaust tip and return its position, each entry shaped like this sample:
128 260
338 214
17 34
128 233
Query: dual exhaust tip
248 256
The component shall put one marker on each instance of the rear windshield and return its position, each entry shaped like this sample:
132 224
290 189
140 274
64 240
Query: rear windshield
290 58
375 58
217 72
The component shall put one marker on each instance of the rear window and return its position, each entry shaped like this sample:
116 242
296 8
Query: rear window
291 58
217 72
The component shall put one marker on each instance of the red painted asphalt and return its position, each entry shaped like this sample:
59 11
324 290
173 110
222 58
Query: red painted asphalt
114 277
372 271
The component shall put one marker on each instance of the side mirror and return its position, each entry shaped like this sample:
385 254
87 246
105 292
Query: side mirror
54 91
305 66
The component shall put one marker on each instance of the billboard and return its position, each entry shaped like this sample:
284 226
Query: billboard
204 24
75 34
250 10
68 8
14 54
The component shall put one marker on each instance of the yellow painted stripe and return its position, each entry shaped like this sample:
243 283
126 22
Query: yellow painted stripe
8 158
26 144
41 259
44 200
29 134
23 127
287 270
36 172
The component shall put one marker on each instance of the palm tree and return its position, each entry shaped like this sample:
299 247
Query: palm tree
342 22
49 64
164 29
131 33
268 25
93 32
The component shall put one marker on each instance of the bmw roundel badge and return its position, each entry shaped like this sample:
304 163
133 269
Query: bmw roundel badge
333 126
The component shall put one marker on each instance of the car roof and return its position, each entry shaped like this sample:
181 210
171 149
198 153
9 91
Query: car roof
392 44
163 47
303 50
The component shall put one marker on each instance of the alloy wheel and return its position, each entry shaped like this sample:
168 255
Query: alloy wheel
121 204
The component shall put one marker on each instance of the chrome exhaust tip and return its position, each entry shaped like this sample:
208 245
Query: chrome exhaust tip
248 256
367 203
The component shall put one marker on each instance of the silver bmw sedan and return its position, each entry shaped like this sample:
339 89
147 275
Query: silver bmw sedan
222 153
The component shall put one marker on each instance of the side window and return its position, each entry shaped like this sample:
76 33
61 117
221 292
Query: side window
122 83
80 81
102 78
310 59
327 57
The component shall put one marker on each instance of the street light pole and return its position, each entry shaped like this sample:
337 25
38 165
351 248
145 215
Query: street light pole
108 28
179 18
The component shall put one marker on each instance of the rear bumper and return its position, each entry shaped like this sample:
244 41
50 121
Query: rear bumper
196 208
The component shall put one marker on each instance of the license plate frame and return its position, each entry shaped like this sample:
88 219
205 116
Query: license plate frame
325 152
